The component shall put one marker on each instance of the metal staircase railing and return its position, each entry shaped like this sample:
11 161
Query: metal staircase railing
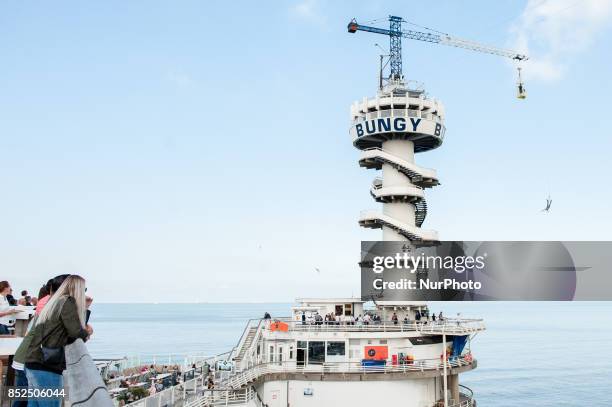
247 354
369 218
422 177
420 212
249 376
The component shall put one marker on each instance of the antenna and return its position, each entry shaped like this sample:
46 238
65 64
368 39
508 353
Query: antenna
381 67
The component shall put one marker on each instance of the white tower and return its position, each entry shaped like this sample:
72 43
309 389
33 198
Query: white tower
389 129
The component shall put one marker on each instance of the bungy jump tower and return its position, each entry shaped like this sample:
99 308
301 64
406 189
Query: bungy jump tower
346 352
389 129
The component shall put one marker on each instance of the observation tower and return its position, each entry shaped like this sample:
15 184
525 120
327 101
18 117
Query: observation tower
389 129
399 122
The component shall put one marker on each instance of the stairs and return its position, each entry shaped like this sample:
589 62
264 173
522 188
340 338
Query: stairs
374 219
376 157
246 345
420 212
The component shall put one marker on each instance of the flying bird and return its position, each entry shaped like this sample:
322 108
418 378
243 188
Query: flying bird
548 204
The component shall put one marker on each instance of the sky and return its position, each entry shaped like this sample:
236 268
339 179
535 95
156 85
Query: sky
199 151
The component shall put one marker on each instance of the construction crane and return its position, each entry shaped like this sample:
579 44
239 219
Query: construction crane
396 34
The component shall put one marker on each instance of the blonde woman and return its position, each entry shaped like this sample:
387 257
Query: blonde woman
60 323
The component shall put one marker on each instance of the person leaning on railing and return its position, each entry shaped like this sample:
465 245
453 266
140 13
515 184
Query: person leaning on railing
60 323
21 353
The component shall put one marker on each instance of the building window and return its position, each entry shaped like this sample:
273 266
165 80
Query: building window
316 353
338 310
348 310
335 349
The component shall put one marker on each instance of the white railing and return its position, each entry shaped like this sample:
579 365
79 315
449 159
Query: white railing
179 394
194 394
451 326
248 376
466 398
424 172
397 113
410 231
249 358
182 392
224 398
251 323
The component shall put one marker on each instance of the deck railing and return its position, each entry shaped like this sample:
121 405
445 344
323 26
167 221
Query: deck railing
451 326
407 113
188 390
248 376
225 398
466 399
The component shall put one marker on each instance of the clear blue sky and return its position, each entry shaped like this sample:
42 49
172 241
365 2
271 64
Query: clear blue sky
199 151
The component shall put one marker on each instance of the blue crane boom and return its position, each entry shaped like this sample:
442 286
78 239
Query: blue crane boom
396 34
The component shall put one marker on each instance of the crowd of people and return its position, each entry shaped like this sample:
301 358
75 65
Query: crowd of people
25 298
61 317
420 317
365 319
134 383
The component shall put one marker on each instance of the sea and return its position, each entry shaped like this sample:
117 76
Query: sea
544 354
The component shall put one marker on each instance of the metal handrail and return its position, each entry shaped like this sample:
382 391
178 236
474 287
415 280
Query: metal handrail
399 161
243 337
241 379
447 325
397 113
223 397
251 352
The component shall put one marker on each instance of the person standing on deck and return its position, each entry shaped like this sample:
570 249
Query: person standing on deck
20 355
45 294
60 323
5 308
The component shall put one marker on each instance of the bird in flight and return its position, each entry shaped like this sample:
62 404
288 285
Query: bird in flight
548 204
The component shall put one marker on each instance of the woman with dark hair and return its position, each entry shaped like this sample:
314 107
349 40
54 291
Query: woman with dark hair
52 286
42 300
60 323
44 291
5 308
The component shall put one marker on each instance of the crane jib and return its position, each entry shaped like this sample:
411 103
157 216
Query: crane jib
396 33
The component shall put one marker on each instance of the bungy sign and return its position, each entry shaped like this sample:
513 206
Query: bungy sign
398 125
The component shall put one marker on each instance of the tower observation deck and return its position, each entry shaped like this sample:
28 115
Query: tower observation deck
389 129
